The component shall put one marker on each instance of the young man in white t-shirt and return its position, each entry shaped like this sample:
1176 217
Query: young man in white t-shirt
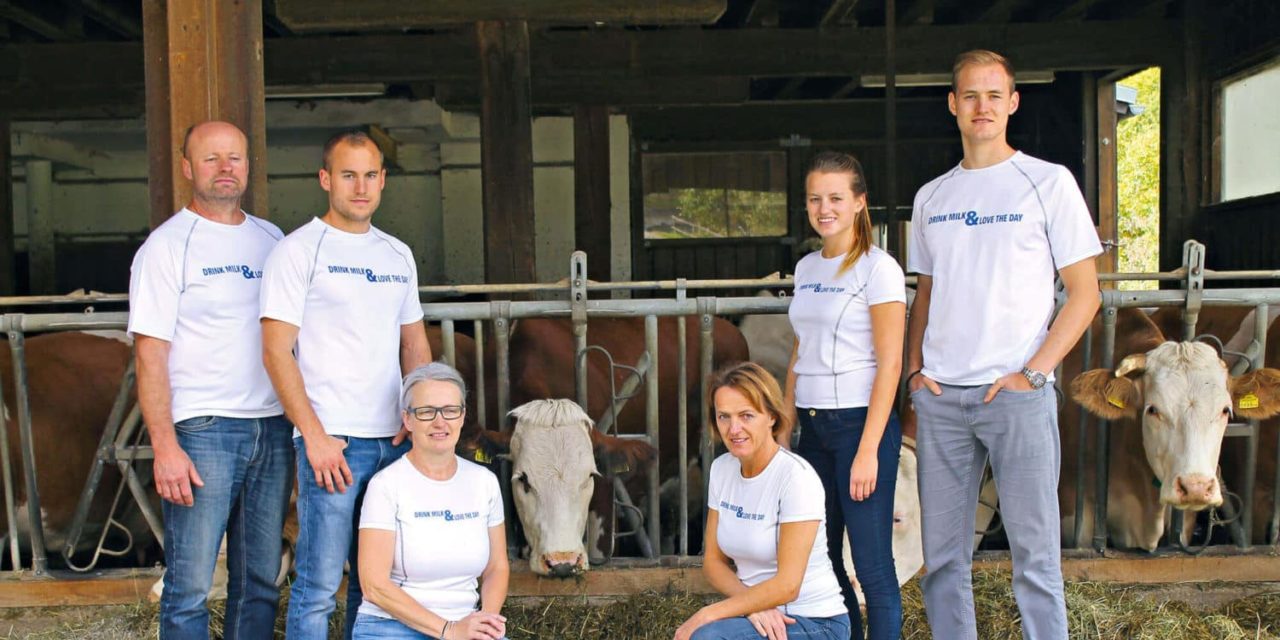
343 296
222 455
987 238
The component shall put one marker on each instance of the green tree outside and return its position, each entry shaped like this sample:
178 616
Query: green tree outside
1138 181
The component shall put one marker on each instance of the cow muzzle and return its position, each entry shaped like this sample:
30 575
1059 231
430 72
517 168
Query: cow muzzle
564 564
1195 491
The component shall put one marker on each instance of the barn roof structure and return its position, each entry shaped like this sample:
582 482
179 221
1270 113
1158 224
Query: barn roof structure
689 74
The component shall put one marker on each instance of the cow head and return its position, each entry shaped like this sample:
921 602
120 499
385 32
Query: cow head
1183 395
555 453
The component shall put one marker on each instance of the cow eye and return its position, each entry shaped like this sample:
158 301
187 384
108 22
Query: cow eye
1226 411
522 481
1152 411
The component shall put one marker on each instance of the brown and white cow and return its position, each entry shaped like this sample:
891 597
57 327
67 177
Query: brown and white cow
1171 401
556 454
73 379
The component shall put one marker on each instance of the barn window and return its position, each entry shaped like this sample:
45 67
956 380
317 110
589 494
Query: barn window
1248 164
715 194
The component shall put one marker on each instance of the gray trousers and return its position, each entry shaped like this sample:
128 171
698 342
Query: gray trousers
1018 431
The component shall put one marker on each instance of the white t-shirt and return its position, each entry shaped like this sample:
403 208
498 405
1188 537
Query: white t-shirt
442 533
349 294
194 283
992 239
750 513
831 315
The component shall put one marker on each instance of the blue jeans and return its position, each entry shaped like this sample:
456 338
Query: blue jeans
245 465
833 628
378 628
326 526
829 440
1018 432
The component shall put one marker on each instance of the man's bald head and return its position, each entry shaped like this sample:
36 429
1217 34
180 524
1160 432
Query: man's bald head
201 130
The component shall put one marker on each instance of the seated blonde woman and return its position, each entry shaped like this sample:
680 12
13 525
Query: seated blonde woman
430 526
766 547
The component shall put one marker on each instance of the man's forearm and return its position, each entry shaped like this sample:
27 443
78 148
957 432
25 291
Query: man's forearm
154 392
286 377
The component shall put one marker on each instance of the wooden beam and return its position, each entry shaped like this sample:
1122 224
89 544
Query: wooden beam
106 79
344 15
1108 209
916 12
506 152
38 146
32 21
204 62
837 12
591 204
848 88
8 268
847 120
112 18
998 11
560 93
1070 10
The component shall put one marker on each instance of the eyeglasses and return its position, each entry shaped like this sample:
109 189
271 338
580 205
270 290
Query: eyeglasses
427 414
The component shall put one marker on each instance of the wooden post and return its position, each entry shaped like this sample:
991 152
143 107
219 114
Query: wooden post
1182 108
506 151
591 204
203 62
8 270
40 252
1105 164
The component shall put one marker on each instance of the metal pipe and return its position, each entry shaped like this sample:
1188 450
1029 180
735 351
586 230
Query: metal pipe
1082 449
501 341
10 509
706 306
1260 327
17 346
481 400
105 451
1104 438
447 343
651 429
682 425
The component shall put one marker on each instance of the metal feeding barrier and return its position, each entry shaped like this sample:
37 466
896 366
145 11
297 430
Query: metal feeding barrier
121 444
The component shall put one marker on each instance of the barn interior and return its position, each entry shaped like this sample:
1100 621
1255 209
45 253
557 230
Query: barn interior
517 132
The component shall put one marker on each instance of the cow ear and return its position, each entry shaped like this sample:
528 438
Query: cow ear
484 445
619 456
1104 395
1256 395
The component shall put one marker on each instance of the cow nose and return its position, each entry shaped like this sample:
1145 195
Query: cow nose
1195 489
563 564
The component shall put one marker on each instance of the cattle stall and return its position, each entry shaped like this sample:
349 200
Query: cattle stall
493 321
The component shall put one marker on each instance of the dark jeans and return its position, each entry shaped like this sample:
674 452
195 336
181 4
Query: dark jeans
829 440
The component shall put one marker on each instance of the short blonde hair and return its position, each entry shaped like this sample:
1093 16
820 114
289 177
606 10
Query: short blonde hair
756 385
980 57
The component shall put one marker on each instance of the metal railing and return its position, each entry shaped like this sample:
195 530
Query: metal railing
498 316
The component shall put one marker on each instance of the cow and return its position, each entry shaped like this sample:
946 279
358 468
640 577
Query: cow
1235 453
73 379
1171 402
556 453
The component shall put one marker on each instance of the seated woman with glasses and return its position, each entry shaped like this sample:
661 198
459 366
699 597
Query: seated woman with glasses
430 526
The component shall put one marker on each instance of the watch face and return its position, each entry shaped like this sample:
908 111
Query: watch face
1036 378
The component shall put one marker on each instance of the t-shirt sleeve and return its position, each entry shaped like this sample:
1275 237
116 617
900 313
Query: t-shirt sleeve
411 309
379 508
285 279
918 258
496 514
1072 236
803 498
154 287
886 283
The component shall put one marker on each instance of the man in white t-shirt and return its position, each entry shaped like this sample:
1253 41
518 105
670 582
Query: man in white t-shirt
987 238
222 454
343 296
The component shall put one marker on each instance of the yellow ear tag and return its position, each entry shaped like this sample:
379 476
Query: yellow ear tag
1115 401
1248 401
482 457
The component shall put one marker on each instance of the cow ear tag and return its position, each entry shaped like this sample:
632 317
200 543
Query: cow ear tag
1248 401
1115 401
482 456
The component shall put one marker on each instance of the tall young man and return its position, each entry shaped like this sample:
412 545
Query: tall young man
222 454
988 237
343 295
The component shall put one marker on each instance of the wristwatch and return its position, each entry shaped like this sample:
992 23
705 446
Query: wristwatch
1036 378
